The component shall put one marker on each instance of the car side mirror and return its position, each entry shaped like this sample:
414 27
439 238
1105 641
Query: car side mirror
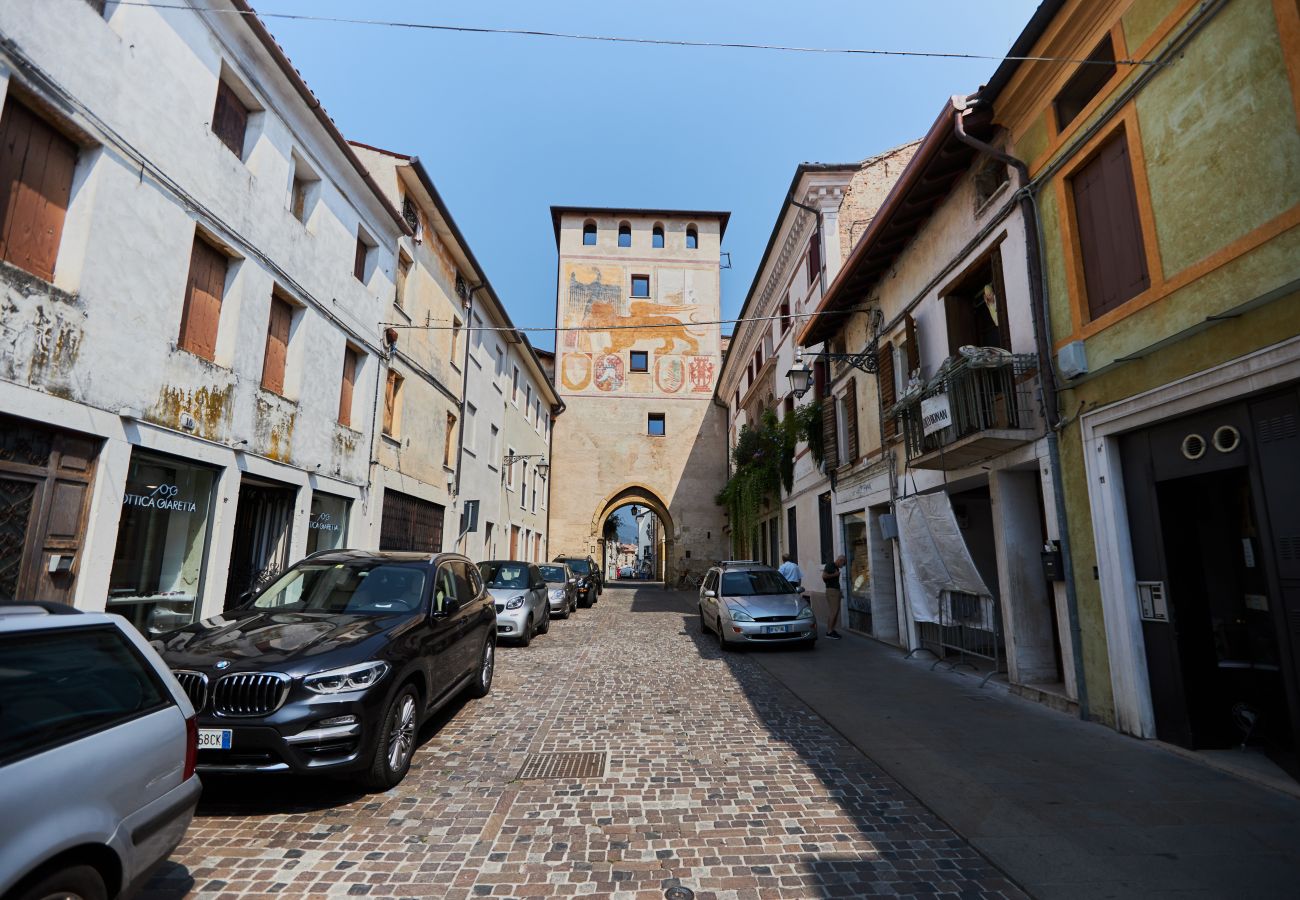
710 593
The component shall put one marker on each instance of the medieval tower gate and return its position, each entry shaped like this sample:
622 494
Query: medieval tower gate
640 424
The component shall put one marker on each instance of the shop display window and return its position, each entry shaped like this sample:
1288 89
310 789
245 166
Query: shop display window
328 528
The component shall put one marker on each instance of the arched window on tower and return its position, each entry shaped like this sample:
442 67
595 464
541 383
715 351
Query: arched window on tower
589 234
624 234
657 237
692 238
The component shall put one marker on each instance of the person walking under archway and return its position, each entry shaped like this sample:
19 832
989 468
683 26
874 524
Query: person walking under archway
831 579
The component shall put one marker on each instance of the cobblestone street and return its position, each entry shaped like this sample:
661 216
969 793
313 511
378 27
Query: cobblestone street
716 779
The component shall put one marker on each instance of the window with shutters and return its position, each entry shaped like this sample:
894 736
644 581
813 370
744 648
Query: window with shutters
230 119
351 360
449 439
392 404
204 289
278 327
976 308
886 384
471 429
830 435
403 274
785 317
36 167
1110 243
1085 84
851 421
304 189
814 257
363 261
911 351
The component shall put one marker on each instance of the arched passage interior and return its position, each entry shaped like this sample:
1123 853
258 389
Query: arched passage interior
665 559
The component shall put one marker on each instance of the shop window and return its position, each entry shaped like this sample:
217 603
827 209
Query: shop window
1085 84
327 529
393 404
639 361
858 575
976 308
1111 247
350 360
692 238
589 234
625 235
160 559
36 167
640 285
230 119
655 426
657 237
279 324
204 290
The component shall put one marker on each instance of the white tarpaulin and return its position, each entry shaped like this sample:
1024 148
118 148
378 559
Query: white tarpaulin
934 554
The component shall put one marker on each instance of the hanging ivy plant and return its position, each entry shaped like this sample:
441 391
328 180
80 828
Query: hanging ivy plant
763 462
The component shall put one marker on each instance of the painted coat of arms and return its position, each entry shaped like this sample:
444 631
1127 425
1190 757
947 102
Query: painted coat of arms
700 371
609 372
670 374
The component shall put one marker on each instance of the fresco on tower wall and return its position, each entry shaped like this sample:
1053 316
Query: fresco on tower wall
665 325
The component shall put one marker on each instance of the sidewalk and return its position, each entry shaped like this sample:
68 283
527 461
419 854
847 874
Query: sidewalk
1066 808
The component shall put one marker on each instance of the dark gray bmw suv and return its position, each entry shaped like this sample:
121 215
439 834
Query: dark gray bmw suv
336 664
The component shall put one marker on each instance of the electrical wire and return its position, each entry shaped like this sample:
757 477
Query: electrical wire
551 329
616 39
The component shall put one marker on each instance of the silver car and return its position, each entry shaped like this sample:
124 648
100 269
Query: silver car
520 595
561 588
97 752
750 603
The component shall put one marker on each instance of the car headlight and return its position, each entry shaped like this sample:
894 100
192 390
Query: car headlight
515 602
350 678
739 615
557 594
806 613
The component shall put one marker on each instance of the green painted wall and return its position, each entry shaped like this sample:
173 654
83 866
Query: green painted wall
1141 19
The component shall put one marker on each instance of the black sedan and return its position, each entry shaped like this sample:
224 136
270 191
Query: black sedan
334 667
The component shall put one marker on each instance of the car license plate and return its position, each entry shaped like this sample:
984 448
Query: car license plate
775 629
214 738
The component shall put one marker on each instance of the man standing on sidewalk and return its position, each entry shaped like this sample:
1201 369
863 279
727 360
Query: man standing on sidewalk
790 570
831 579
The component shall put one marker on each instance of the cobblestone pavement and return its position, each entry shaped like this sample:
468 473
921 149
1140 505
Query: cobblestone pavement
717 779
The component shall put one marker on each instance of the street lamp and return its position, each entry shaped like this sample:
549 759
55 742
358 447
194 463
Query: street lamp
542 468
800 375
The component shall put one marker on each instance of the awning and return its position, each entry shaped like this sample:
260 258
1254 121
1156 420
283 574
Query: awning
934 555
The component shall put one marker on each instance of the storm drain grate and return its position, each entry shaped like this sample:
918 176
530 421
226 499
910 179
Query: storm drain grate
563 765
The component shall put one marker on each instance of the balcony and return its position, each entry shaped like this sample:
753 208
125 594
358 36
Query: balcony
990 408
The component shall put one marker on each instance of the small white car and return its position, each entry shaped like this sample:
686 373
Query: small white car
98 745
521 597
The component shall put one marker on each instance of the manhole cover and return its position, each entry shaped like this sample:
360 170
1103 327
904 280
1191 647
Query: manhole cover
563 765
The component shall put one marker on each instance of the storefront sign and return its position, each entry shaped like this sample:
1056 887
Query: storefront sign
163 497
935 414
322 522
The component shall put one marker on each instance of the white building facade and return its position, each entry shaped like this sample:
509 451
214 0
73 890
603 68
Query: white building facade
192 360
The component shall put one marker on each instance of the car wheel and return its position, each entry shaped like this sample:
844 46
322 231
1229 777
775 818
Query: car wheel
73 883
527 637
546 618
486 666
396 743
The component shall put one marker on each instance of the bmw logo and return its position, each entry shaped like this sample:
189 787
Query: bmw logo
223 664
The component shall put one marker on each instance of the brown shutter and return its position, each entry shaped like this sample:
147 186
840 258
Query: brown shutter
830 434
913 350
961 331
814 256
277 345
1000 290
1110 233
851 420
885 383
359 262
36 166
390 402
230 119
203 293
349 382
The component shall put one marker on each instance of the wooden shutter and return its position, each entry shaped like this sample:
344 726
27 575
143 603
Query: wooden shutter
277 345
1000 291
349 382
390 402
830 435
1110 233
36 166
203 293
814 257
230 119
851 420
913 350
885 383
359 261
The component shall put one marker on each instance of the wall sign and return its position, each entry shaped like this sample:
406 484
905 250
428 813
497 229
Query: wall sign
163 497
935 414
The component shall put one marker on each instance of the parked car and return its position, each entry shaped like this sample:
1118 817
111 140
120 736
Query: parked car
627 572
336 664
561 588
97 755
588 575
521 598
750 603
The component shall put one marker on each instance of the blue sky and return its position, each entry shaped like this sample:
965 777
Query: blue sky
510 125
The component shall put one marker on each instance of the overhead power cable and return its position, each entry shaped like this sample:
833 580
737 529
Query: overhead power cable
618 39
429 326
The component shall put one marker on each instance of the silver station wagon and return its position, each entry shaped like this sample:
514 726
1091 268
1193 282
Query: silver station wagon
749 603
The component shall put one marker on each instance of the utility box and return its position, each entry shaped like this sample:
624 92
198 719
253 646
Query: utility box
1053 567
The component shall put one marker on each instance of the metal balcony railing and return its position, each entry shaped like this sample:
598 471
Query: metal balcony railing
990 400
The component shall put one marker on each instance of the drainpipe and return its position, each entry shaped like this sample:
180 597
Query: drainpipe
1041 316
464 390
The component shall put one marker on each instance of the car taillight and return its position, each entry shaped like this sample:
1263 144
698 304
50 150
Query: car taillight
191 746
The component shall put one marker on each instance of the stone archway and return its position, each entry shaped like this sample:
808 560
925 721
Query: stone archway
642 496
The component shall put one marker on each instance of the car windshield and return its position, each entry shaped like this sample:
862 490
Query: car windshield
375 589
504 575
553 573
754 581
579 566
